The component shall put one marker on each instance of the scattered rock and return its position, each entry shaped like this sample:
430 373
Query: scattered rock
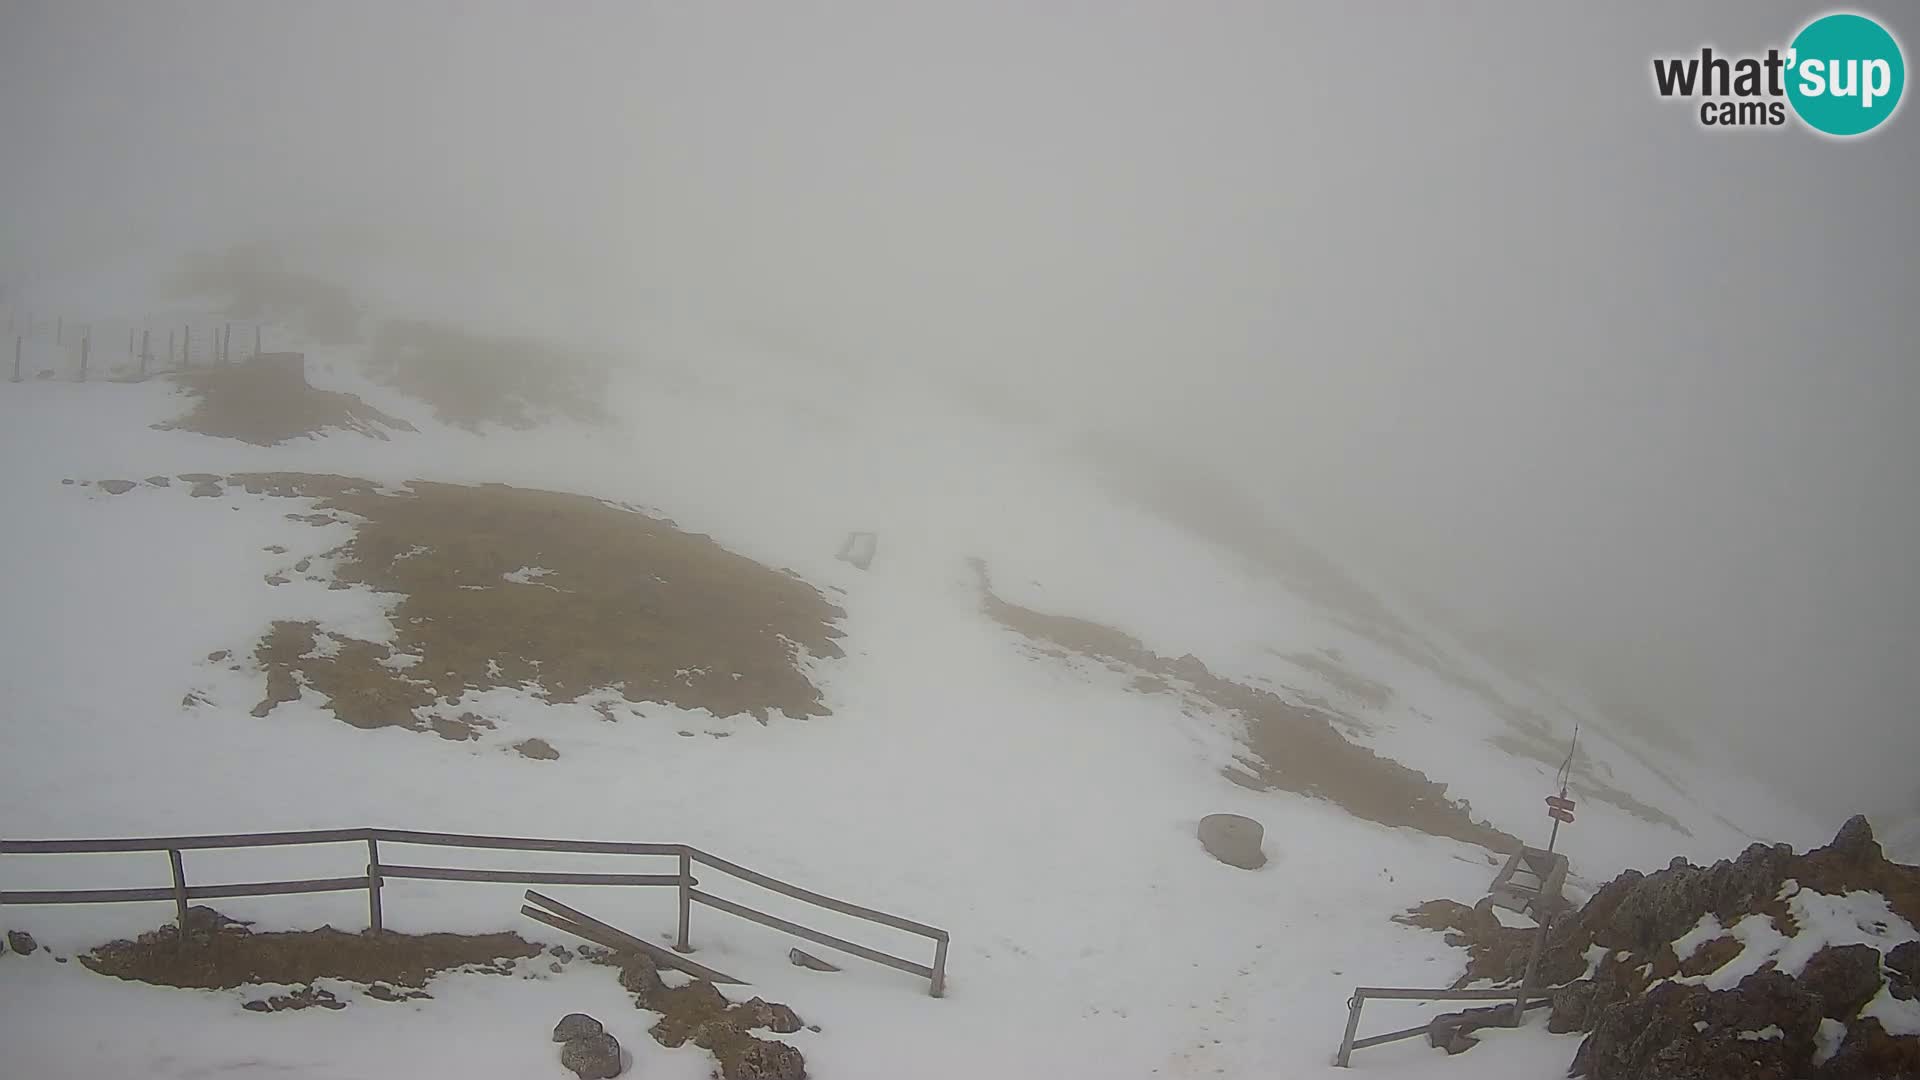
207 490
256 1006
576 1026
276 579
555 967
537 749
21 942
1233 840
160 481
562 953
302 566
216 657
592 1057
116 487
1843 977
799 958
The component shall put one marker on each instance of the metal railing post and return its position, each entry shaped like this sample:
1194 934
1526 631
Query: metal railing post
686 900
179 894
373 885
1345 1056
939 988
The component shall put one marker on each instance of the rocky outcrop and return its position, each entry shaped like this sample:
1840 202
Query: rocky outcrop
1652 1014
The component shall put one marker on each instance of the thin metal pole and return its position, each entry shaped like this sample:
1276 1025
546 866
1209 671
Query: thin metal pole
226 344
939 988
1345 1056
686 901
129 342
186 346
86 347
1533 967
179 894
373 884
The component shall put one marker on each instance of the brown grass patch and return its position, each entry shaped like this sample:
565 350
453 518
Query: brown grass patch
471 380
627 603
220 954
1289 747
267 400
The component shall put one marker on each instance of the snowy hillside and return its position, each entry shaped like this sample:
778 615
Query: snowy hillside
924 754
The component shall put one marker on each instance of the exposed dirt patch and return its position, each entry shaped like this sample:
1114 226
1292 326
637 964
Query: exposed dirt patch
562 595
1288 747
267 400
222 954
1329 666
471 380
699 1013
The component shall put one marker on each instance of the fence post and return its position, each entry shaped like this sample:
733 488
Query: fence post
686 899
373 884
86 346
226 344
1345 1057
940 968
179 895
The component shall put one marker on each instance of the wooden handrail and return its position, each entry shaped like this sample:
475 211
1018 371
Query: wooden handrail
378 871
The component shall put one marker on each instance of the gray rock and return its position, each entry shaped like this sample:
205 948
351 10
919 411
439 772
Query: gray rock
1234 840
807 960
576 1026
593 1057
1843 977
771 1015
1855 841
1903 970
21 942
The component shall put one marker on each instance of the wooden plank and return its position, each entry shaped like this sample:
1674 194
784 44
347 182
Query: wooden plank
525 877
622 941
277 888
815 936
181 843
818 899
84 896
1399 994
512 843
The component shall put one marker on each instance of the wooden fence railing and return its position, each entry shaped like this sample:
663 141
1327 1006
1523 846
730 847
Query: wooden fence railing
378 872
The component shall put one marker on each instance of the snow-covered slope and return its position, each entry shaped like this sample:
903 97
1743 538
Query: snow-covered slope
1041 811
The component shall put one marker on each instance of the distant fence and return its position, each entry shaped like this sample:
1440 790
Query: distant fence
377 872
60 348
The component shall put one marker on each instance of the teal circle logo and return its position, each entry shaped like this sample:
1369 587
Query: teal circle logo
1845 74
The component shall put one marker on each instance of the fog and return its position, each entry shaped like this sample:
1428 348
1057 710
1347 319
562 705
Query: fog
1449 291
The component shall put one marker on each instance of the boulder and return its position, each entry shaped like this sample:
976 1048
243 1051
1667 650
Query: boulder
21 942
765 1060
760 1013
1869 1053
576 1026
1844 977
1234 840
1764 1028
593 1057
1903 970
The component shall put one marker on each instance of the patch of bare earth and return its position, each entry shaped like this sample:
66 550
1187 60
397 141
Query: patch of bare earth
471 380
700 1014
558 594
266 400
1288 747
222 954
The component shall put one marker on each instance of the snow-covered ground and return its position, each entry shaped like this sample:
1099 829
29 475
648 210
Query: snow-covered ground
1041 813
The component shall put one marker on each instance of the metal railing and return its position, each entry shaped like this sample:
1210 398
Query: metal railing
377 872
1523 1000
